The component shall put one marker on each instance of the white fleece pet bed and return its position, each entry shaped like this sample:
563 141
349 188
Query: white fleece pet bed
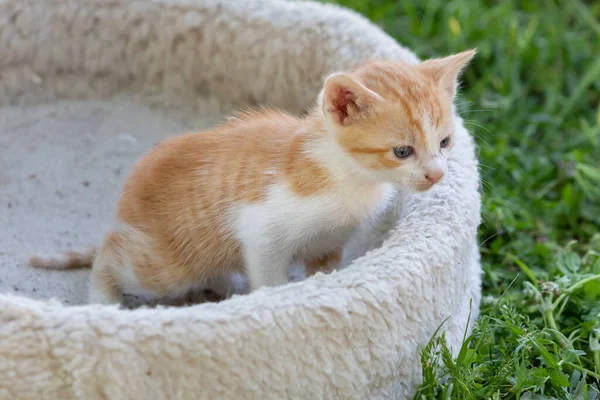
86 86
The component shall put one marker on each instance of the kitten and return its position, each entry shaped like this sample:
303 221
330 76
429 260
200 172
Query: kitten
267 189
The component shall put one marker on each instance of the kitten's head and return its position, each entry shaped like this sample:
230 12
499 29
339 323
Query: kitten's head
395 119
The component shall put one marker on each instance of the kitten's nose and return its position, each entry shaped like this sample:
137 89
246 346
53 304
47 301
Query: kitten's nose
434 176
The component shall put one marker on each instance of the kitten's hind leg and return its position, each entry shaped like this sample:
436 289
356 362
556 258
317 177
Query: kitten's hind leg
266 266
104 287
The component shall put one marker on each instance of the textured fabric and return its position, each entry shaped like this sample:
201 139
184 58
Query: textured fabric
354 334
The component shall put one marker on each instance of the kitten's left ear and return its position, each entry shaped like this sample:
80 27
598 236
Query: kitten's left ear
447 70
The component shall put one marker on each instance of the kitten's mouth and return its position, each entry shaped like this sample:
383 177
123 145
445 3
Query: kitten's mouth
423 187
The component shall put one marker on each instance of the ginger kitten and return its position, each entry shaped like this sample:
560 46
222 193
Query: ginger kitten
267 189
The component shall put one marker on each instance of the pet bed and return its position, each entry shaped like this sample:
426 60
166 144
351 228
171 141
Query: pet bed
86 86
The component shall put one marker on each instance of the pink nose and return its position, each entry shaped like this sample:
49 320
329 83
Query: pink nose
434 176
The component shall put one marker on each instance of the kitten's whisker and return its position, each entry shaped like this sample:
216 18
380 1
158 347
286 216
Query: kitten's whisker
487 166
475 134
479 137
479 110
479 126
462 102
485 184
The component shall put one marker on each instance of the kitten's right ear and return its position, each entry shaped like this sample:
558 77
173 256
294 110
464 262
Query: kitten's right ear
345 99
447 70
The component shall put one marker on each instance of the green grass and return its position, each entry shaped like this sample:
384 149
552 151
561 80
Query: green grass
531 98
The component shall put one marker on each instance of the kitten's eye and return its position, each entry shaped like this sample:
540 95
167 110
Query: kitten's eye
403 151
445 142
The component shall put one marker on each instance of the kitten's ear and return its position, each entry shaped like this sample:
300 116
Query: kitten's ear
447 70
345 99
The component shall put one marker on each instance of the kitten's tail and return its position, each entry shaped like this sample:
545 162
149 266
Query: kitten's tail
66 260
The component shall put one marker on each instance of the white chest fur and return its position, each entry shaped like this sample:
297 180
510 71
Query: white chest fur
286 227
